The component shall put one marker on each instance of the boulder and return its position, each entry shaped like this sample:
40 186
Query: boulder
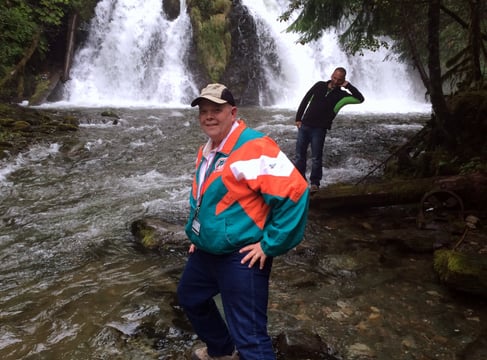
153 233
302 345
465 272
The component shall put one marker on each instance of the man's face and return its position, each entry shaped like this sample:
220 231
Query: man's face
216 119
337 78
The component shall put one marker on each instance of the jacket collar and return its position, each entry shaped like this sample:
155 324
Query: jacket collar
232 139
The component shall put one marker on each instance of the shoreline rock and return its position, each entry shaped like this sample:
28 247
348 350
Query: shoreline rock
21 127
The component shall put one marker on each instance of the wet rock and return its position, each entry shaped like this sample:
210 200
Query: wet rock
157 234
110 113
461 271
360 351
346 265
302 345
171 8
21 126
67 127
477 349
420 241
408 343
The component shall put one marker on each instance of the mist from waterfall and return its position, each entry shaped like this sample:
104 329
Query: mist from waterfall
135 56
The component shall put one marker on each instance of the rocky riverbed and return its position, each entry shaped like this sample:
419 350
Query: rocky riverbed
361 285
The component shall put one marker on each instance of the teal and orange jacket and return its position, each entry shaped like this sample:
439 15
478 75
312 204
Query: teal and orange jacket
253 193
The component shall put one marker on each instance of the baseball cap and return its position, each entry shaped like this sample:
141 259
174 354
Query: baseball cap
217 93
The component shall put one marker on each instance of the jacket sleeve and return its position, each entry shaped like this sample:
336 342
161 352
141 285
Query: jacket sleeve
304 102
355 92
286 193
356 97
286 225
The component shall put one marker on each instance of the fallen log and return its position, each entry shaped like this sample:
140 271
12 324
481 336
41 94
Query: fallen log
471 189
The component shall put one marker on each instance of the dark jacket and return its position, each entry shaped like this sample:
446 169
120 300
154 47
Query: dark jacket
320 105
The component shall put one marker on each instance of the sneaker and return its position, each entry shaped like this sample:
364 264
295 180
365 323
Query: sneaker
202 354
314 188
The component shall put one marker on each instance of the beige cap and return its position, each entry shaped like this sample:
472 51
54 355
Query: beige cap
217 93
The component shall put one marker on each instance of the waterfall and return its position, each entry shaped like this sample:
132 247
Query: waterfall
136 56
133 56
388 85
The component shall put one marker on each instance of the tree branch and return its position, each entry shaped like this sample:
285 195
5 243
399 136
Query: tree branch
25 58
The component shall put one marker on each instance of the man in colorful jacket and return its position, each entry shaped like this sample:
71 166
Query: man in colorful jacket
248 204
314 117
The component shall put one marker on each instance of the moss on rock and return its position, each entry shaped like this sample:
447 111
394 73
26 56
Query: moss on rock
212 35
461 271
21 126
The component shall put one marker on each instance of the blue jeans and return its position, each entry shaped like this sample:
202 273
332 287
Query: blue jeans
316 137
244 293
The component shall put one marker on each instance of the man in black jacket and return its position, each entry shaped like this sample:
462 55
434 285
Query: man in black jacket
314 117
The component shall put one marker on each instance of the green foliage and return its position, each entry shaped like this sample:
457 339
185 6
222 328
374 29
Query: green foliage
361 25
20 21
315 17
474 165
208 8
51 12
457 41
85 8
28 28
215 45
16 31
213 39
372 24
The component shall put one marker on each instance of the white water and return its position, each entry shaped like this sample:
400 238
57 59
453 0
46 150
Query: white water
386 84
135 57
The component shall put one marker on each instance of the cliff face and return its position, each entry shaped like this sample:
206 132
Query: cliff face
234 57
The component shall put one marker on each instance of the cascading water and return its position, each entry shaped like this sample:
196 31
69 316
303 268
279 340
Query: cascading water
135 56
387 85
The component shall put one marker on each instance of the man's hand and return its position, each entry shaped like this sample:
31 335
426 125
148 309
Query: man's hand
298 123
254 254
192 248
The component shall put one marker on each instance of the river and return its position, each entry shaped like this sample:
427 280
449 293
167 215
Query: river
73 285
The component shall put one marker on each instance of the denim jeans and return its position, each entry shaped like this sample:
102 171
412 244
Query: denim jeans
316 137
244 293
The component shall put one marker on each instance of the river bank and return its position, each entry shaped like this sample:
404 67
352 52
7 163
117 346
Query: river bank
21 127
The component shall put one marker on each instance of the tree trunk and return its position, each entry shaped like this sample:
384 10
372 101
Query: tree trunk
21 64
407 32
475 39
443 121
68 59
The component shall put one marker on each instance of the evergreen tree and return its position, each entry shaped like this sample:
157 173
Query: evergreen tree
444 40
